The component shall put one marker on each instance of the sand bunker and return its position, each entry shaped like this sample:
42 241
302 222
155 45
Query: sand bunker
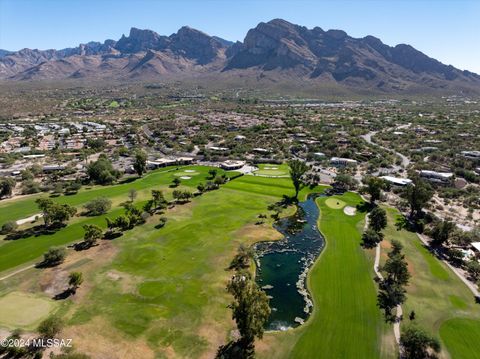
349 211
189 170
185 177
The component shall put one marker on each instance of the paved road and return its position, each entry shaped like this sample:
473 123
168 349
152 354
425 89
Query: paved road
405 159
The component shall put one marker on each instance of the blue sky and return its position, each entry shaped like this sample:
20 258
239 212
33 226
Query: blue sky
448 30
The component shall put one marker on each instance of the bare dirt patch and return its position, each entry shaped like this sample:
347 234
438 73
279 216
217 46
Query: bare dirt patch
254 233
99 340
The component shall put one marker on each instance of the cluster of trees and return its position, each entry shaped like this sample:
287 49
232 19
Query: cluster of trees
131 218
392 290
297 172
182 196
157 202
250 308
417 195
377 221
212 185
55 213
344 182
102 172
140 162
373 186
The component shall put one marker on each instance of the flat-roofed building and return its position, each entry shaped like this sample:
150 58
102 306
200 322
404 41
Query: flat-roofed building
232 165
397 181
52 168
473 155
339 161
437 177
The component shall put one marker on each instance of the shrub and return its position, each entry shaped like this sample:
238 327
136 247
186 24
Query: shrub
98 206
9 227
54 256
50 327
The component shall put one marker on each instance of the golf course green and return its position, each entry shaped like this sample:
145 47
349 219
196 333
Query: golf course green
163 289
346 322
272 170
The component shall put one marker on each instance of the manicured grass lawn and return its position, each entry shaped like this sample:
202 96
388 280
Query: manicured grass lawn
461 338
439 299
21 251
23 310
177 274
171 291
25 207
273 170
24 250
346 322
262 185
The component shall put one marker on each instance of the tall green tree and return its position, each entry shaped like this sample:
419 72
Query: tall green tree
417 194
102 171
250 310
159 200
371 238
442 231
396 265
297 170
92 234
373 186
54 213
377 219
392 290
140 162
418 344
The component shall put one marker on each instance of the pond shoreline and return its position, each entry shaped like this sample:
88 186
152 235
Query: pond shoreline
283 265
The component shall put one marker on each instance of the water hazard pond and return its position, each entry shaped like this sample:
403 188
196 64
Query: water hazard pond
282 265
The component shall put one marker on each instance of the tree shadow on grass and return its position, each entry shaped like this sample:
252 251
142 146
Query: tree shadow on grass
83 246
110 236
44 264
39 230
63 295
234 350
128 180
365 207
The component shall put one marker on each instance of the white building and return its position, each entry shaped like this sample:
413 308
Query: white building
232 165
397 181
437 177
474 155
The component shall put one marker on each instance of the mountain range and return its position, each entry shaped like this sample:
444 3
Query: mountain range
273 51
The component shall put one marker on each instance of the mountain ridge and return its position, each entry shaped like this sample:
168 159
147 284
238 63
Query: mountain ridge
276 48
